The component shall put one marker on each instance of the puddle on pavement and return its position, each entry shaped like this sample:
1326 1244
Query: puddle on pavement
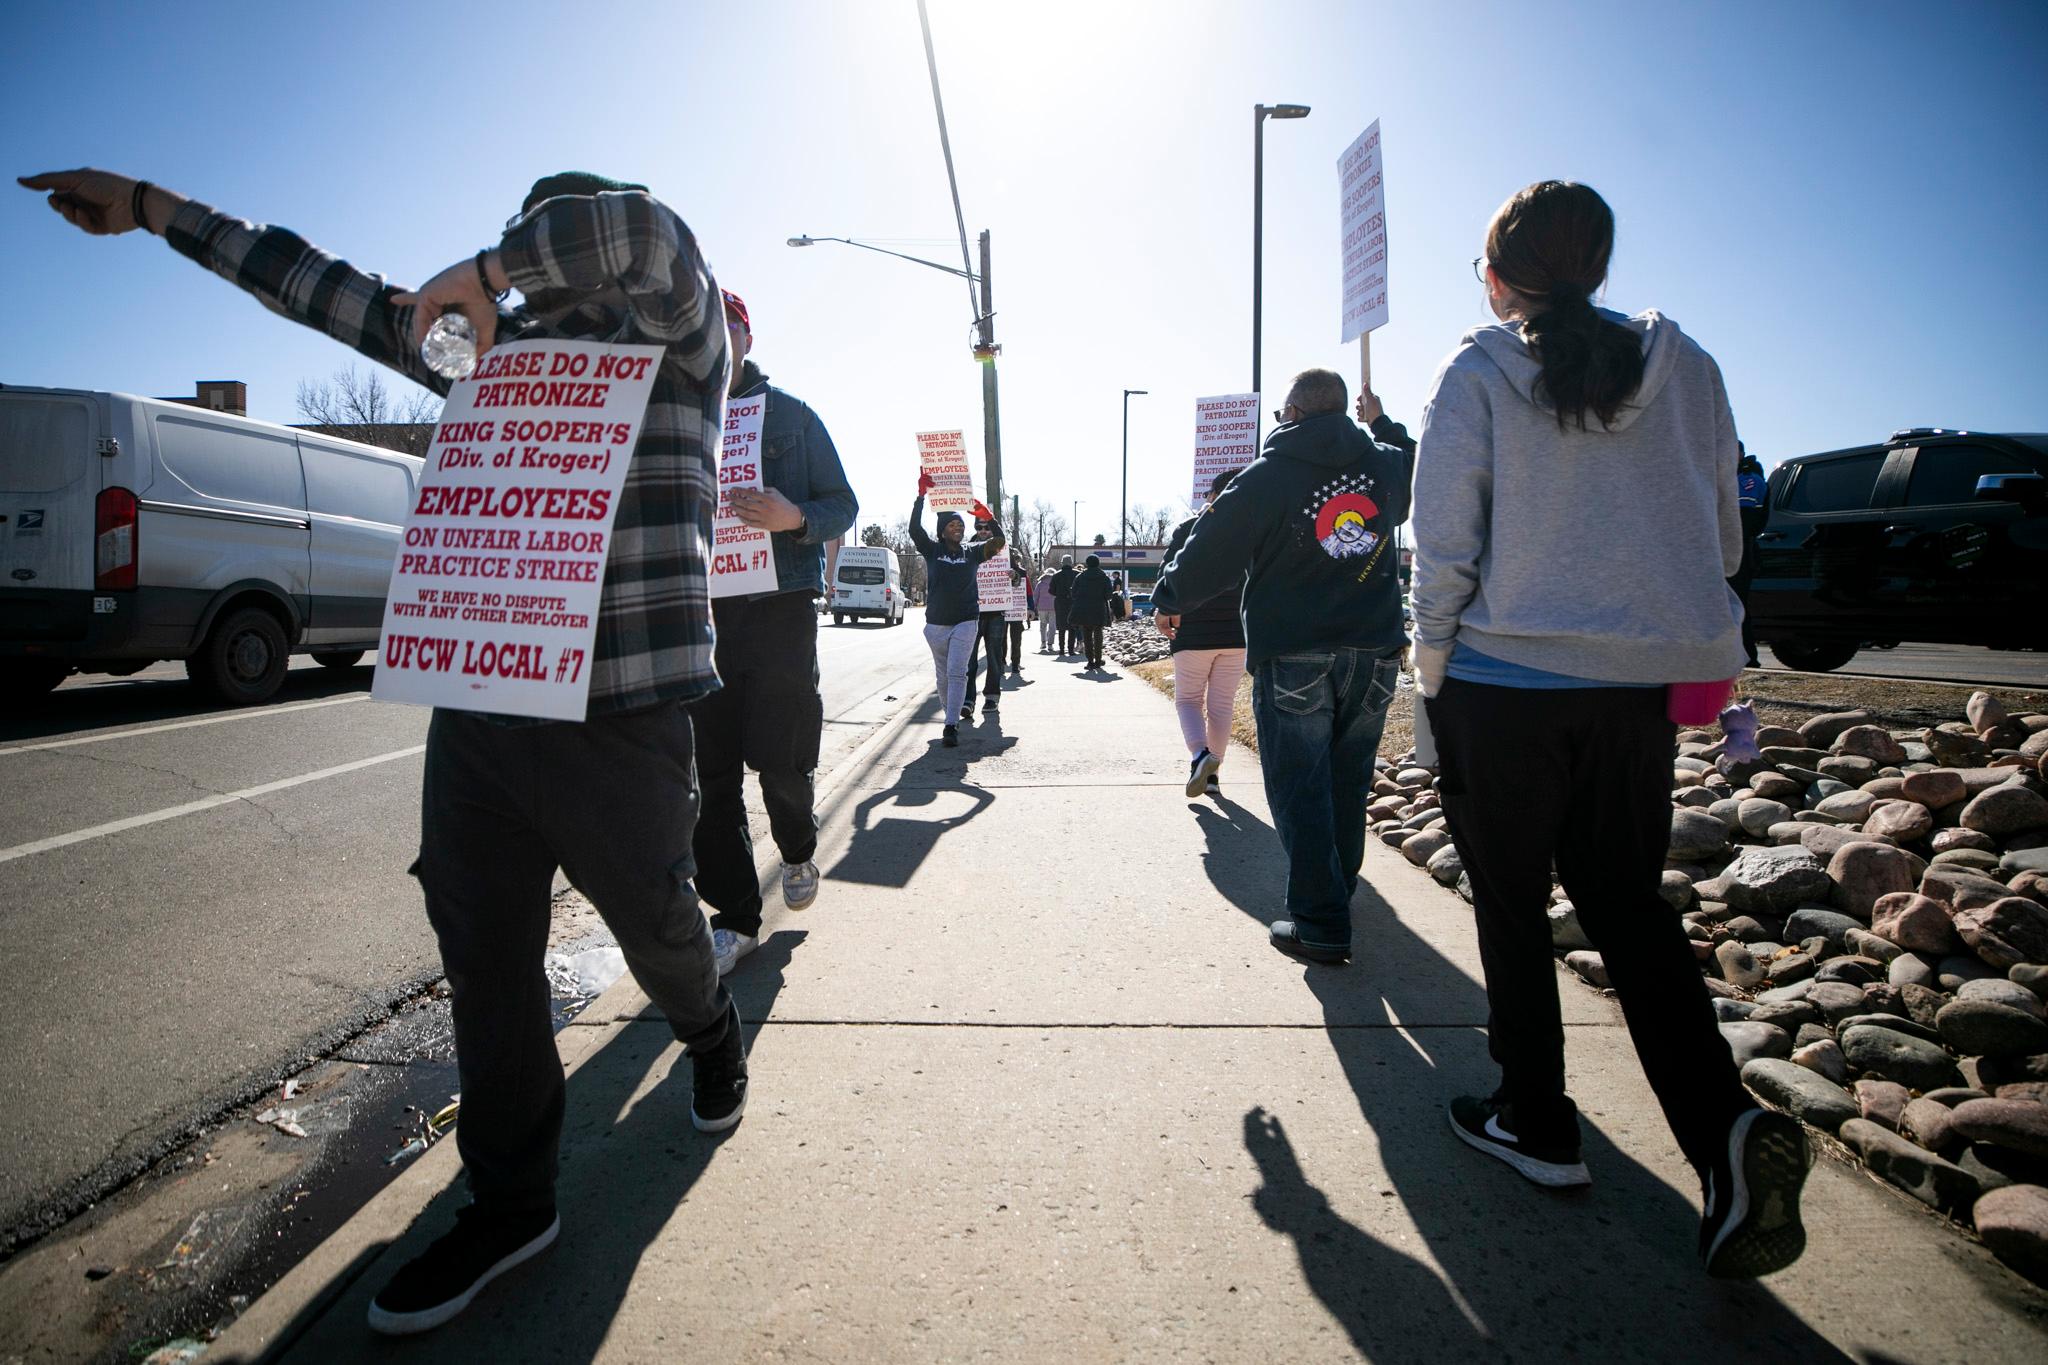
181 1250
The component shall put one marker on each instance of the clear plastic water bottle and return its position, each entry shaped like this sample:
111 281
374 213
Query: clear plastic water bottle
450 347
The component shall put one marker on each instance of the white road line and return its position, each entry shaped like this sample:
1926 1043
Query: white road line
256 714
8 855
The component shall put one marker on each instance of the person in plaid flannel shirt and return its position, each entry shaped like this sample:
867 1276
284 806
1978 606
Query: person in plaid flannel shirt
611 800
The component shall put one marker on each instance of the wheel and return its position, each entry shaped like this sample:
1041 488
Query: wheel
838 618
340 660
243 659
1813 656
23 681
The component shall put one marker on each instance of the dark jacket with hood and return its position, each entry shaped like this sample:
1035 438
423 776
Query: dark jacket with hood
1214 624
949 570
801 463
1308 529
1090 600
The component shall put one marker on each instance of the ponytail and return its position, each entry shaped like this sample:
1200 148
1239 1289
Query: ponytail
1551 244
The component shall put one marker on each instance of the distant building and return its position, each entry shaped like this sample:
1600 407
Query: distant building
1141 563
232 397
217 395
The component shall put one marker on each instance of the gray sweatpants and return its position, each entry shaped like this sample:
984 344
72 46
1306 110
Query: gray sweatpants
950 648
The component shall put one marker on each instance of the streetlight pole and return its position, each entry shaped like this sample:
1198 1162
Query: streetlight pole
1260 113
985 349
1123 502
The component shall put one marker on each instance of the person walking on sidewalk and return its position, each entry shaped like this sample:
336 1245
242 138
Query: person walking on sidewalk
1547 693
769 715
1047 607
993 631
506 802
1020 577
1088 609
1063 599
1208 663
1306 532
951 614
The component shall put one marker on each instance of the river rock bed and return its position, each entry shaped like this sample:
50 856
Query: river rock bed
1869 908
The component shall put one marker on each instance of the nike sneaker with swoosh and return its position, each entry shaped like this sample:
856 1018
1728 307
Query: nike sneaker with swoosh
1489 1125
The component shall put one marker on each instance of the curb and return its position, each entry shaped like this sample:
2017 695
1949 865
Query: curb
282 1314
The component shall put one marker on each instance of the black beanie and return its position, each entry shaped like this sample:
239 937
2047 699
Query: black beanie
572 182
945 517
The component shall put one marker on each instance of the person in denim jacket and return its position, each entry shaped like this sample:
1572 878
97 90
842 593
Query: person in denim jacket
769 714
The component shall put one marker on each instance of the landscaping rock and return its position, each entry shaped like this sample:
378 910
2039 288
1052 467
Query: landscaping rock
1737 966
1881 1102
1730 1009
2018 1125
1806 1095
1864 943
1932 1125
1961 889
1811 922
1852 806
1696 834
1946 840
1826 729
1968 859
1824 1058
2024 859
1445 866
2009 993
1934 789
1919 1172
1922 1004
1914 922
1953 1095
1952 972
1871 742
1855 971
1757 815
1789 1015
2032 975
1836 1000
1985 1028
2013 1222
1748 1040
2005 810
1905 821
1824 841
1911 969
1565 934
1892 1055
1770 880
1850 768
1863 872
1423 844
1589 967
2006 933
1676 890
1783 970
1912 1028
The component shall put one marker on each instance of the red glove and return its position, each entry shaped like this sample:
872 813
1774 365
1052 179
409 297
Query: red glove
925 483
981 511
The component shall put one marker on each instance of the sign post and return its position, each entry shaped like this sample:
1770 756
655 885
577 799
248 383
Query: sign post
1363 217
1226 438
493 598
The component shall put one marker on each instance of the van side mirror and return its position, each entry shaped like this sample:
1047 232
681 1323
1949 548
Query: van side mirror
2028 490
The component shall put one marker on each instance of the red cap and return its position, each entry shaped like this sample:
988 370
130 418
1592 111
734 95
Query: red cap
736 308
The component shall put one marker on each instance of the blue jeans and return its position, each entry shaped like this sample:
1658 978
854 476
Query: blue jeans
1320 718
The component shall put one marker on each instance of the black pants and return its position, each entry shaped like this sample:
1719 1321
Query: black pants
1581 776
612 803
989 633
1063 617
767 717
1017 648
1091 642
1745 573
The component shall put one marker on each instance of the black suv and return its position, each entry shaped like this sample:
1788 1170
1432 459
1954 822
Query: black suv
1934 536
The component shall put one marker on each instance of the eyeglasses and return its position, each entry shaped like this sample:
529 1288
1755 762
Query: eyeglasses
1280 414
1479 268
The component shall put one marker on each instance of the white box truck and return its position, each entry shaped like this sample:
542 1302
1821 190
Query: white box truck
137 529
867 580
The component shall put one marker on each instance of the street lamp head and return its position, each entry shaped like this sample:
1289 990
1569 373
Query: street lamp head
1288 110
1129 392
802 241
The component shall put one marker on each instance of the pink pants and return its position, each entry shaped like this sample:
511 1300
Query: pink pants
1205 693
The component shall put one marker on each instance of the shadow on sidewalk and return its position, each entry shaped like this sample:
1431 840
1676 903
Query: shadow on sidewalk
624 1174
933 797
1609 1273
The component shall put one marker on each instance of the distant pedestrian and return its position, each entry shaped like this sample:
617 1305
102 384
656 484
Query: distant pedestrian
1208 664
1063 598
769 715
1047 608
1752 497
1547 693
1088 609
952 615
1306 532
1119 600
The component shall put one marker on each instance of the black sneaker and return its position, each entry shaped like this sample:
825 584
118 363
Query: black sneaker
1751 1223
720 1094
1214 788
950 737
1488 1125
1288 941
1201 772
967 711
439 1283
989 707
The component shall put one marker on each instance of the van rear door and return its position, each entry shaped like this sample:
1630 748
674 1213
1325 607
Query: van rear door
48 481
357 501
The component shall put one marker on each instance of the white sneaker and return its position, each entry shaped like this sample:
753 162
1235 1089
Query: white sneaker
799 885
728 948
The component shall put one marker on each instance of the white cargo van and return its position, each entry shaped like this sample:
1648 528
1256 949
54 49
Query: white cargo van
867 580
136 529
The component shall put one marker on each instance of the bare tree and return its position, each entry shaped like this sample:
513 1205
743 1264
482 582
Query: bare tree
356 406
1148 525
1043 527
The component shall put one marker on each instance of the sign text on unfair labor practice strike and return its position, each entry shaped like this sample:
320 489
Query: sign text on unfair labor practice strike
1362 199
493 599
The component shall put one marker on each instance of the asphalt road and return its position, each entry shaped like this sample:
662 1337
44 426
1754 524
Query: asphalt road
197 900
1944 663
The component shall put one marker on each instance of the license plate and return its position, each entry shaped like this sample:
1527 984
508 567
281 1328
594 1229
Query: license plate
103 606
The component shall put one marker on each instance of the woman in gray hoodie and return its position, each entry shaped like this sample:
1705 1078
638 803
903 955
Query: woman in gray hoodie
1575 527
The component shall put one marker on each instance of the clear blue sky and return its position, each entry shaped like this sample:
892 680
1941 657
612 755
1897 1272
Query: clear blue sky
1846 203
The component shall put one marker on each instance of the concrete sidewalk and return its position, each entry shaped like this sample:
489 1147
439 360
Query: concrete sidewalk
1029 1084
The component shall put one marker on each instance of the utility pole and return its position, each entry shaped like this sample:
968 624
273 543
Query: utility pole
986 351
